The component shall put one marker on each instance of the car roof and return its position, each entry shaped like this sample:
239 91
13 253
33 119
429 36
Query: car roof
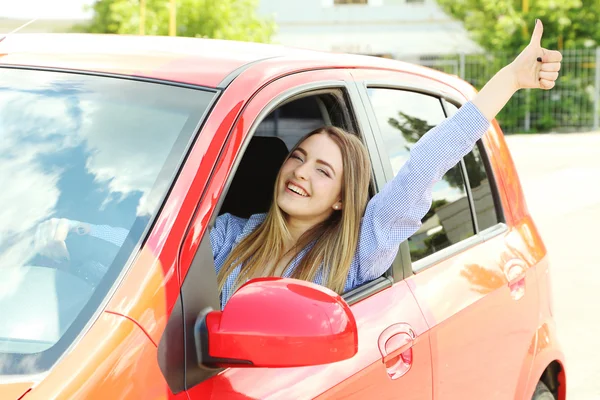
204 62
187 60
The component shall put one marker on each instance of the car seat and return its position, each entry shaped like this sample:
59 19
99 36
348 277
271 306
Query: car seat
251 190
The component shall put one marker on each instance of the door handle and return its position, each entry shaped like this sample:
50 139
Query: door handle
515 271
395 345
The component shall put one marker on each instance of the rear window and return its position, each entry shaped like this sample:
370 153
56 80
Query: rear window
78 154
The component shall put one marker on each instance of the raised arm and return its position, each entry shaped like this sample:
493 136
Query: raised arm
395 213
534 68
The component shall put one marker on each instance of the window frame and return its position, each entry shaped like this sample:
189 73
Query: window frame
184 373
489 171
404 261
310 89
354 110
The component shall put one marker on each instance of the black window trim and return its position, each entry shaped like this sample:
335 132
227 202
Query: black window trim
403 260
467 181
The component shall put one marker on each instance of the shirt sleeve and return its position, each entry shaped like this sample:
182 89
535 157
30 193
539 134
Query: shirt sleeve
223 237
218 234
395 213
109 234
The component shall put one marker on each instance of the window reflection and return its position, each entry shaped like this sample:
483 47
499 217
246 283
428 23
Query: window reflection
480 185
77 152
481 191
449 219
403 118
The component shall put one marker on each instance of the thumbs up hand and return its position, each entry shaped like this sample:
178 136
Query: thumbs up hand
536 67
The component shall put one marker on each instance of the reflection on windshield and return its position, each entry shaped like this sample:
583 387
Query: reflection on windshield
78 153
404 117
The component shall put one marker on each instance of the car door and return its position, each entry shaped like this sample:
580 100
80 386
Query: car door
470 270
393 356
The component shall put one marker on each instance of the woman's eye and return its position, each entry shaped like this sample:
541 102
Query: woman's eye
297 157
324 172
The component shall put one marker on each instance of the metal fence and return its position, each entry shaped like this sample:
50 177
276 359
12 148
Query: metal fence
573 105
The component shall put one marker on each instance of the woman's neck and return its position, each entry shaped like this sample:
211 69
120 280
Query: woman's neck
297 228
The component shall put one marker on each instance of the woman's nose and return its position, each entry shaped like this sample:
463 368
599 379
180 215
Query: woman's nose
301 172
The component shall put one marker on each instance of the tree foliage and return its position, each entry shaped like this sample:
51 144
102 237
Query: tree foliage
502 25
413 128
217 19
503 28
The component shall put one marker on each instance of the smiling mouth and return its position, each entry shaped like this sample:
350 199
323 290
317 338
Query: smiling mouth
296 189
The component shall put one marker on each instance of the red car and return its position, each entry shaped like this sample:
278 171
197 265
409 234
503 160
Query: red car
156 137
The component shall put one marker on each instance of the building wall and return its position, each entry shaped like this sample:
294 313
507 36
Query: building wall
383 27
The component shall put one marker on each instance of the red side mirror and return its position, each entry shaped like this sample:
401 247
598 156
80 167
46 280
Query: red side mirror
275 322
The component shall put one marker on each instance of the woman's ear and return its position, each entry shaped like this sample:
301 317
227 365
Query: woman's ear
337 205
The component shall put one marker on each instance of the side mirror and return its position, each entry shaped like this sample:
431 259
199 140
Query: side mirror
275 322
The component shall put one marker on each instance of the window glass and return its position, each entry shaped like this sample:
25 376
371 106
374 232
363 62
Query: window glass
451 109
85 162
481 190
403 118
480 184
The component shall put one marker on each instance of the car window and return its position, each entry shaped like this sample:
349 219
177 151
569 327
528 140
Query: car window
85 163
403 117
293 120
274 136
481 184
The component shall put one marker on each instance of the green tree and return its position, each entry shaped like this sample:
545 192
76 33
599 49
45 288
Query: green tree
432 210
503 28
217 19
413 128
502 25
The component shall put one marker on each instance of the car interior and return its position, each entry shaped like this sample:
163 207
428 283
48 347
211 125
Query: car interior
251 189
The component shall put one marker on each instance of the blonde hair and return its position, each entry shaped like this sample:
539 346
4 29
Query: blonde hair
335 239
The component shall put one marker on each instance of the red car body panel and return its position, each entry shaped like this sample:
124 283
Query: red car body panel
114 360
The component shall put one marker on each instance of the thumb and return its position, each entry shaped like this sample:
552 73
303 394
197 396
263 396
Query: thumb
538 31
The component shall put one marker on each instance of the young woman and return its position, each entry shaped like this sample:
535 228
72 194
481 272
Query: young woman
321 226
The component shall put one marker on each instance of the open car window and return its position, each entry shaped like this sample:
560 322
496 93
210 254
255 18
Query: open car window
273 138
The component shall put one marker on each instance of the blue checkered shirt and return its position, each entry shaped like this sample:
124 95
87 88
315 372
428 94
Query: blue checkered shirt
391 216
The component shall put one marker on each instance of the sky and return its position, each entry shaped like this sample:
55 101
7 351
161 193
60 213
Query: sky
44 9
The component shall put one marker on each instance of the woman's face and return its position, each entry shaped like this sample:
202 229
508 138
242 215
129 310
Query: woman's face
310 183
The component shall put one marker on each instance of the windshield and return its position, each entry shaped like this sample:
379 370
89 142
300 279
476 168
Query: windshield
78 154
